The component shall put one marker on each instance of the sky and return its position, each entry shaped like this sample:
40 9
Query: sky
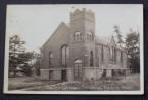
35 23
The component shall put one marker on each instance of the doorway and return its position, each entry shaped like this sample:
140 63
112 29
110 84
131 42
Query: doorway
64 78
78 70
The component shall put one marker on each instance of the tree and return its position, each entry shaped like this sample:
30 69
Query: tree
26 60
19 59
132 46
15 48
118 37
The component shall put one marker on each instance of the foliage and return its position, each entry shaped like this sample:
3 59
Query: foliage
132 46
26 60
15 48
19 60
27 69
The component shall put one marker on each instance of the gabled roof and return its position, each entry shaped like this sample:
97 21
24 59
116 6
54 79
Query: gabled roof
62 24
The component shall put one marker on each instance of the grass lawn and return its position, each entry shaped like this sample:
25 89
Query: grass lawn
26 82
130 83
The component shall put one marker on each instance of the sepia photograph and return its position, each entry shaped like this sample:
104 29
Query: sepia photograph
74 49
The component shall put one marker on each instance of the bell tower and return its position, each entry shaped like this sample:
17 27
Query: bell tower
82 26
82 23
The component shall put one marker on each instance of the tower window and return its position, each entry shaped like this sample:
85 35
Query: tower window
81 36
77 36
89 36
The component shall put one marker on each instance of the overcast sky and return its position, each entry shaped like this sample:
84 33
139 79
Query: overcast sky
35 23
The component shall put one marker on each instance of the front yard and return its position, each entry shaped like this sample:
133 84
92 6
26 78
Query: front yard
130 83
26 82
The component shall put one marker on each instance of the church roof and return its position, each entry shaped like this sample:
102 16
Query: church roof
109 41
105 40
62 24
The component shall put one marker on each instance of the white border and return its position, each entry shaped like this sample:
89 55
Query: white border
6 91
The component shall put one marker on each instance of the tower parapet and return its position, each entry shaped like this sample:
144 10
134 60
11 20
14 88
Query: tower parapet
82 13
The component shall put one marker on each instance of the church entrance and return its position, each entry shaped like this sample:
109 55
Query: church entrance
78 70
63 75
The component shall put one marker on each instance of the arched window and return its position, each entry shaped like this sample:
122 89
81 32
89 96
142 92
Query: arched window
91 59
115 55
89 36
77 36
65 55
111 52
51 59
121 57
74 36
81 36
102 53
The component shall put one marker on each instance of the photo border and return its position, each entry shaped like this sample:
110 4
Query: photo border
138 92
3 4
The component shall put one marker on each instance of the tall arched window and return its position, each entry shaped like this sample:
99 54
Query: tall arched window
111 53
65 55
121 57
115 55
51 59
102 53
91 59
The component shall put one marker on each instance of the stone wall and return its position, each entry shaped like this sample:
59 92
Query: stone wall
44 74
92 73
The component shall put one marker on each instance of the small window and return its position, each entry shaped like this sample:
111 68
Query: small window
81 36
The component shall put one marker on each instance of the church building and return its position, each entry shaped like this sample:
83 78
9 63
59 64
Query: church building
73 52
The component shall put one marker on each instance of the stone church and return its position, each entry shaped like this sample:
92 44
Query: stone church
73 52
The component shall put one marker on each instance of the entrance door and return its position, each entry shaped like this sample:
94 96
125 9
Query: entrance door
63 75
78 70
